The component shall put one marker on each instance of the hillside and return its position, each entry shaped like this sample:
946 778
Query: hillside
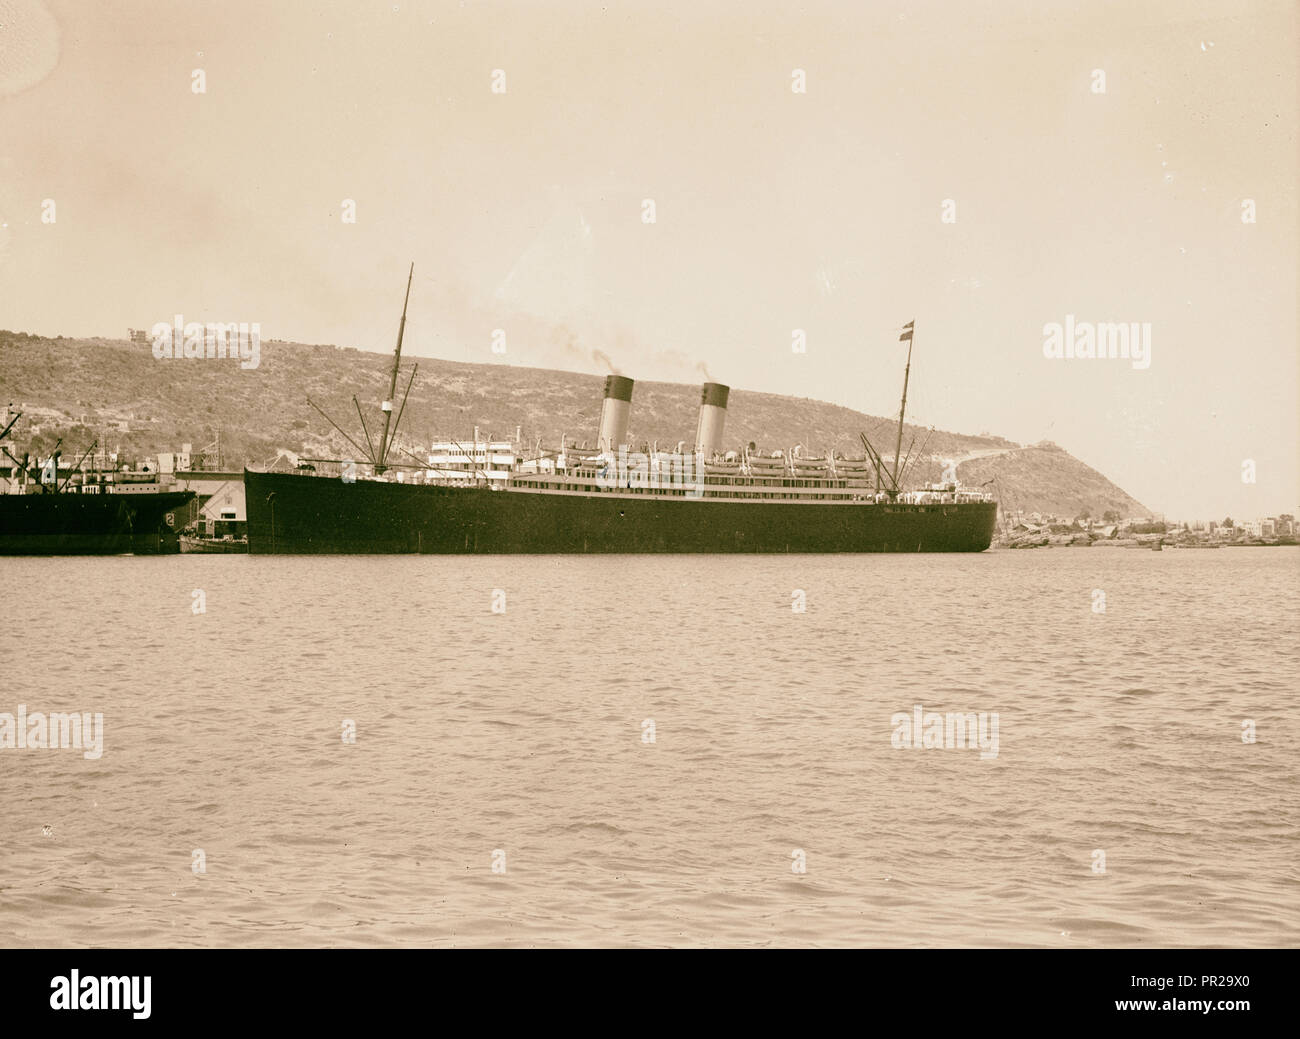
1047 479
81 389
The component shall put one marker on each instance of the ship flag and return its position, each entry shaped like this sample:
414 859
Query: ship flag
908 328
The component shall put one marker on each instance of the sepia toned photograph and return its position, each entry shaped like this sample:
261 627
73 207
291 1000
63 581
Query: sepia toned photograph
649 475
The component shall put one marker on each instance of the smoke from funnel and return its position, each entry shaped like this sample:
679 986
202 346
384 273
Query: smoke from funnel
602 358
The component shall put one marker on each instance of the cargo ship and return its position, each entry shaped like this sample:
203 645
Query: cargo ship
50 510
497 498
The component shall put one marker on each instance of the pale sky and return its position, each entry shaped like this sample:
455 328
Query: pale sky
775 210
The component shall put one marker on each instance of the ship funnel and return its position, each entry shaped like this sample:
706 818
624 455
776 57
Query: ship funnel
713 418
613 413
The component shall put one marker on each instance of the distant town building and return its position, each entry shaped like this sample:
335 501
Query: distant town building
172 462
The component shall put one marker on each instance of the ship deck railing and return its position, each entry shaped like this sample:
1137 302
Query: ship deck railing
674 485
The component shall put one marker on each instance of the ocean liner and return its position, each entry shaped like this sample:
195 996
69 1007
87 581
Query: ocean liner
53 510
496 498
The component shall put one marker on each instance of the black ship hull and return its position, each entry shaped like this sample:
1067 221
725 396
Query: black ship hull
94 524
300 514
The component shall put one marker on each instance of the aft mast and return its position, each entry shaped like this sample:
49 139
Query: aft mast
380 461
908 330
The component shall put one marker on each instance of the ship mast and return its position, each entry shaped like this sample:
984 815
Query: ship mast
392 386
378 454
908 331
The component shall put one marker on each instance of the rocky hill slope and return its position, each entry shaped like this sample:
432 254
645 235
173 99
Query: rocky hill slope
84 389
